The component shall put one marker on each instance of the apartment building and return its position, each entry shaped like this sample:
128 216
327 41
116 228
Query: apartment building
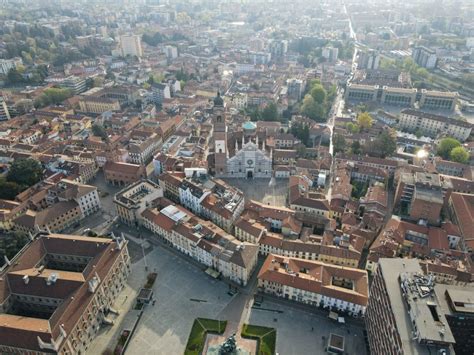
224 205
453 168
343 250
131 201
461 212
4 111
7 64
55 218
58 291
86 196
402 238
315 283
311 206
142 147
404 315
170 182
434 125
250 230
130 45
424 57
438 100
212 199
389 165
120 174
203 241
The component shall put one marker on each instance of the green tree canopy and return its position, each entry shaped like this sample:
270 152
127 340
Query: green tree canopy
25 172
459 155
339 143
364 120
53 96
445 147
312 109
9 189
318 93
356 148
384 145
353 128
11 243
99 131
270 112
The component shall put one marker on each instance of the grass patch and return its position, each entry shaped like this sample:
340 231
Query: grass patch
266 338
197 337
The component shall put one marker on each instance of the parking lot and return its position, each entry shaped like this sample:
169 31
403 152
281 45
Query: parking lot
302 332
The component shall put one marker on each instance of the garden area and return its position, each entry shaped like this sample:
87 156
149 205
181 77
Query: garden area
197 337
266 338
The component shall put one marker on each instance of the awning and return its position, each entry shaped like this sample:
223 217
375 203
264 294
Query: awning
213 273
333 315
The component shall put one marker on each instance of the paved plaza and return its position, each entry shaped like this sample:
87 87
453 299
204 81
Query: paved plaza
301 332
261 190
183 292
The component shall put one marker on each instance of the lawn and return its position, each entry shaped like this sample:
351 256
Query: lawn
197 337
266 338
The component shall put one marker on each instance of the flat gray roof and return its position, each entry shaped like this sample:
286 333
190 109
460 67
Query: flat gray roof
391 270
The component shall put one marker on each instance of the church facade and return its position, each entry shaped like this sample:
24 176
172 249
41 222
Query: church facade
249 162
239 157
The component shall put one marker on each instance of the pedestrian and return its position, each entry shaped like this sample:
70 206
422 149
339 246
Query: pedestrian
312 328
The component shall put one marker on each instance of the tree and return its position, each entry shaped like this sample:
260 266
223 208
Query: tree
255 115
14 77
301 132
11 243
53 96
353 128
9 189
459 155
339 143
270 112
318 93
446 145
356 148
384 145
99 131
26 172
312 109
364 120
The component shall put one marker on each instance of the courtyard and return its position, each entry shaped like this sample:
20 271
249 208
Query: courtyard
262 191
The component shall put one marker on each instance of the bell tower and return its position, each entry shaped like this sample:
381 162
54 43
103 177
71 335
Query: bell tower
220 136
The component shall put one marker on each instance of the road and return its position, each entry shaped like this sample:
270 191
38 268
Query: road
338 105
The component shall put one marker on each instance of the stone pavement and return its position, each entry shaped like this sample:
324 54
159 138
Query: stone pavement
108 335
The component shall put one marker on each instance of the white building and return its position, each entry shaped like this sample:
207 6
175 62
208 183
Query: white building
131 45
204 242
86 196
134 199
4 112
171 52
7 64
434 125
191 196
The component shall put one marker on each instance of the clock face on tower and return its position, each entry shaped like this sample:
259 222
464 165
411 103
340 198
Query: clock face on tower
250 162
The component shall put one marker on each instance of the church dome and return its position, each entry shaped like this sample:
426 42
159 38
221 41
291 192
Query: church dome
249 126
